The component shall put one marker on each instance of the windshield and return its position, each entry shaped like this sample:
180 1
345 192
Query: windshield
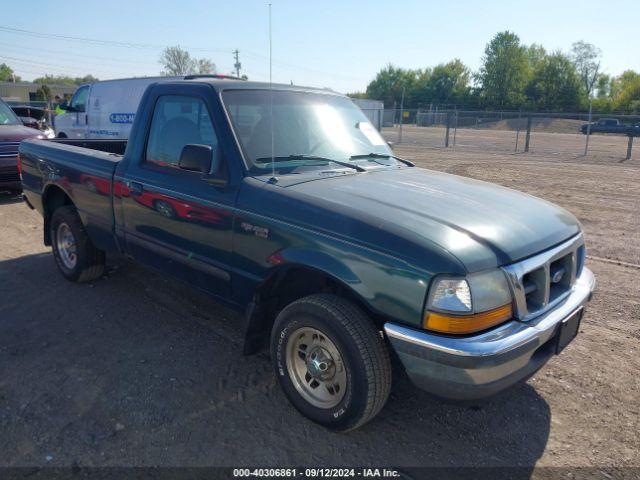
310 130
7 117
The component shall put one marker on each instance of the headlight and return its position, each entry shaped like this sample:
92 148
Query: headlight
451 295
466 305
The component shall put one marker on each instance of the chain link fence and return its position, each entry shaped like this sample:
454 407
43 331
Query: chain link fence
569 134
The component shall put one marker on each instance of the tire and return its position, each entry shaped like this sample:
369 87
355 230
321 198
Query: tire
62 135
89 261
359 378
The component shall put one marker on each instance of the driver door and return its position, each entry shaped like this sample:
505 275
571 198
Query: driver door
175 221
78 112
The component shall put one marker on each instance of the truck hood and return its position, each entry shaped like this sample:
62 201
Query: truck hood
482 224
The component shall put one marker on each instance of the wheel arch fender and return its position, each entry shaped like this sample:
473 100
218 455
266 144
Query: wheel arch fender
53 196
296 273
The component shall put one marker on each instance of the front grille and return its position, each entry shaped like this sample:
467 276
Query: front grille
540 282
9 149
9 177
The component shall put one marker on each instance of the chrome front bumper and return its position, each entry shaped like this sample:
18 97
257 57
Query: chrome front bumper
468 368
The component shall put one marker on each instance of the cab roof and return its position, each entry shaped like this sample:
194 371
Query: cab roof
233 83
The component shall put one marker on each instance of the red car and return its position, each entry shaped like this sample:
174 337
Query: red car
171 208
12 132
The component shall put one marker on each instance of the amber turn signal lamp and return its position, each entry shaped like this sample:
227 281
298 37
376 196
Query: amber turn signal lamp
463 324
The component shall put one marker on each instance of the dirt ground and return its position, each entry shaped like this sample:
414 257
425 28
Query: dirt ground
138 370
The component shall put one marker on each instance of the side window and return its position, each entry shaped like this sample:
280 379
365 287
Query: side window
79 100
178 121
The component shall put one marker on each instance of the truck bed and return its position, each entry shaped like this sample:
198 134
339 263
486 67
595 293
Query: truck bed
83 170
116 147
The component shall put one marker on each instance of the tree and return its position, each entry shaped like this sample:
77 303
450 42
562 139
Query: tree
504 71
177 61
205 66
421 94
55 80
586 58
7 74
86 79
388 85
65 80
535 54
625 92
603 86
43 94
445 83
622 82
554 85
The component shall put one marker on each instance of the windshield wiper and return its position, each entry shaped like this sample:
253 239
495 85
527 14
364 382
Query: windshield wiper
381 155
357 168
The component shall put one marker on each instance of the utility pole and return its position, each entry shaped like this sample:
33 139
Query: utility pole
586 144
527 138
237 65
518 129
401 112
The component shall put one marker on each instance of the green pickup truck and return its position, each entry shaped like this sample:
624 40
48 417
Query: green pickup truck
286 204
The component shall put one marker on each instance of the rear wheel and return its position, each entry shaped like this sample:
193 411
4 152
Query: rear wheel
76 256
330 361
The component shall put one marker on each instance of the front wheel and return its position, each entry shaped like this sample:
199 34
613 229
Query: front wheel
76 256
330 361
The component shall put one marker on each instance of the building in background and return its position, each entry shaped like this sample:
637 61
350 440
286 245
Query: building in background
26 92
373 109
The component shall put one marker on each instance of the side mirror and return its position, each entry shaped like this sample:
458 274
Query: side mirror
196 158
390 145
219 176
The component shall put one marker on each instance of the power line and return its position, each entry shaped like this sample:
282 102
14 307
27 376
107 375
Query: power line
96 41
75 39
73 54
52 67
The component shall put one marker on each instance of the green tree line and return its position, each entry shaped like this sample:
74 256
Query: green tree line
512 76
7 75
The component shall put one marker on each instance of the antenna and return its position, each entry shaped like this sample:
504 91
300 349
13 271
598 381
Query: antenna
273 164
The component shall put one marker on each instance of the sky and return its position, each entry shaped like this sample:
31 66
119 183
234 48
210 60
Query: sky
334 44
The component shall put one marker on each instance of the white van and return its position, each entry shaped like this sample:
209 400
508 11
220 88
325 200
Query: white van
103 109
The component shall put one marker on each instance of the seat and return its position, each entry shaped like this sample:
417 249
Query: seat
174 135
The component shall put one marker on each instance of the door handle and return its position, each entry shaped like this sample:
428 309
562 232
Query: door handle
135 188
